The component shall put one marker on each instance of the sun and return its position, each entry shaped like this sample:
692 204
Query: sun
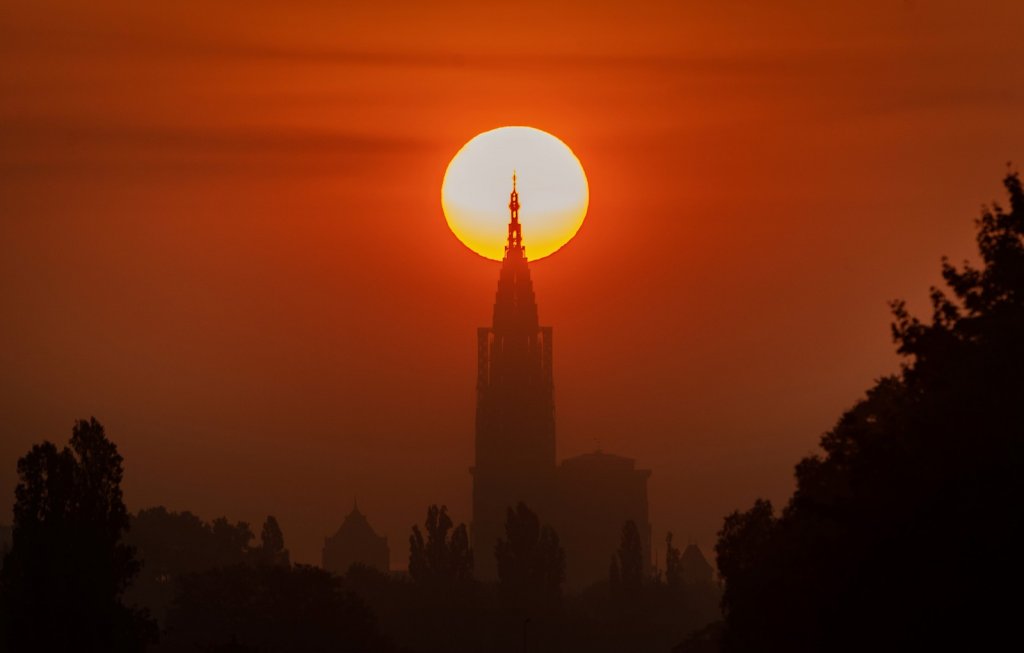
553 191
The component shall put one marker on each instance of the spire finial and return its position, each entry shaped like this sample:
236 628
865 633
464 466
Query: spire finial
515 232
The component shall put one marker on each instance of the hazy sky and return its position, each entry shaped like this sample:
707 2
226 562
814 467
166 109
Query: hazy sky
220 234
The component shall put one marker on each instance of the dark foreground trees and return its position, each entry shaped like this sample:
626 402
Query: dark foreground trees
268 608
63 578
901 534
531 562
63 584
271 550
454 612
646 609
214 591
442 559
626 572
171 545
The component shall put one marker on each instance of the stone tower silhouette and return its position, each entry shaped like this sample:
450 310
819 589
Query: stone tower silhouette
515 408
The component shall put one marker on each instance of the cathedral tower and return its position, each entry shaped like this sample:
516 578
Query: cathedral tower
515 408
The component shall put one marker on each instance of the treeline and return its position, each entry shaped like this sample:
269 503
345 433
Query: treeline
439 606
72 581
83 574
902 533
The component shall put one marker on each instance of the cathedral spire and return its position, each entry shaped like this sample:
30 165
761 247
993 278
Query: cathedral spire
515 411
515 230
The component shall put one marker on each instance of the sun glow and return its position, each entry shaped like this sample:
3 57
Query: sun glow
553 191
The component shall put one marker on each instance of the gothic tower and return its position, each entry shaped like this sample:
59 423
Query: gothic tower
515 408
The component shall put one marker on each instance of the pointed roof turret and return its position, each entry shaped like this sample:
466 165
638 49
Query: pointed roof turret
355 541
696 568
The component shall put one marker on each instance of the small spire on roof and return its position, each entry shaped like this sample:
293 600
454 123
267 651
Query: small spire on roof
515 232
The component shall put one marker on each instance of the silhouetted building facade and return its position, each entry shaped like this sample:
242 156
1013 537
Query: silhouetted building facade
695 568
587 499
515 410
598 493
355 542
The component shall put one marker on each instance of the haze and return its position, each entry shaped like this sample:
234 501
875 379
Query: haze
220 234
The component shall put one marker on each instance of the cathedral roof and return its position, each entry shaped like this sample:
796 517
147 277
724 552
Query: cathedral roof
693 558
355 525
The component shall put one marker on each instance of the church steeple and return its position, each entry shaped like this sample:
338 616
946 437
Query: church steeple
515 308
515 409
515 230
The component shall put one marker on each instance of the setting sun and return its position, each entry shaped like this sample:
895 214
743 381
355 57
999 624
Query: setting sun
552 187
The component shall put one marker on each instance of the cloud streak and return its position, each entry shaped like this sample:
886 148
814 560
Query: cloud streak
58 143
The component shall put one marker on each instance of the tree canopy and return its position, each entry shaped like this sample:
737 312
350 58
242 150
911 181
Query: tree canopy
626 575
531 562
171 545
271 550
269 608
440 559
62 580
673 564
898 533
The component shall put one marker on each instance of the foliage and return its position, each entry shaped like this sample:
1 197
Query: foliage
706 640
898 526
269 608
626 575
673 564
479 618
63 578
5 542
173 544
531 562
271 550
441 560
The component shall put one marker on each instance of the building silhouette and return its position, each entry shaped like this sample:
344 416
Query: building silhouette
696 570
587 498
355 542
515 409
597 494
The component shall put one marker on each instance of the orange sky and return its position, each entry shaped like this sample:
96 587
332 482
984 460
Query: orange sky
220 234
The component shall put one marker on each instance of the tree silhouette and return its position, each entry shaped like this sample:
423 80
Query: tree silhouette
5 542
268 608
271 550
673 564
531 563
62 580
893 532
627 570
173 544
230 542
440 559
